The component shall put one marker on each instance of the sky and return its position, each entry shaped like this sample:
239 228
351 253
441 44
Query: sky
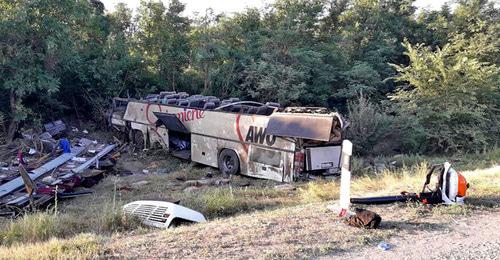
230 6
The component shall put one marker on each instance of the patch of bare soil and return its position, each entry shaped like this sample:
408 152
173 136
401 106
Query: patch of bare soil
473 237
313 231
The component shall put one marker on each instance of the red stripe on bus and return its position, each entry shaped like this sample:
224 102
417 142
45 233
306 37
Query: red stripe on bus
147 113
238 131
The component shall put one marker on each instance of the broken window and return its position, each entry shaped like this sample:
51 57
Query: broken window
265 156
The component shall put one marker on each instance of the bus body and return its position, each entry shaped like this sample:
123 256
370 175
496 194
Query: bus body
270 142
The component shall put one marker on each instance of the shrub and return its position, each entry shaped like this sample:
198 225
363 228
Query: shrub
454 97
369 126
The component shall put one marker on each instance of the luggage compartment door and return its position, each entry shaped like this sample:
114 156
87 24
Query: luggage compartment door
323 158
171 122
265 163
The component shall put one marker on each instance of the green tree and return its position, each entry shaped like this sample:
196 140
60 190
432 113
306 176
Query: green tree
36 40
208 49
292 68
150 37
455 97
370 33
175 56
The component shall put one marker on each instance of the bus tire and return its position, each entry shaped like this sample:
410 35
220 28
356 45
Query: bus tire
138 139
229 163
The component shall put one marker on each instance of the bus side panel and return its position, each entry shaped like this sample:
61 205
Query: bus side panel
204 150
143 112
158 135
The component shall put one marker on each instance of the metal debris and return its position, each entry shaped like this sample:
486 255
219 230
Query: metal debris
33 179
94 159
162 214
18 183
56 127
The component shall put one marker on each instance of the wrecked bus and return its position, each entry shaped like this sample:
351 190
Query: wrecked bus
251 138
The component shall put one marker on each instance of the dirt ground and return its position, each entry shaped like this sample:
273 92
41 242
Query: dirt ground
314 231
474 237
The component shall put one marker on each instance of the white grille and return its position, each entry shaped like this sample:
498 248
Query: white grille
161 213
147 212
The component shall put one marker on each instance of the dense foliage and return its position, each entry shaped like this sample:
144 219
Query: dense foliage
433 75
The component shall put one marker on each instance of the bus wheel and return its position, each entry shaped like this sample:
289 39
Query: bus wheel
138 140
228 161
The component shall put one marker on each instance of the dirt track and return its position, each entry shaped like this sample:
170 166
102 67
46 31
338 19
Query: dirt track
475 237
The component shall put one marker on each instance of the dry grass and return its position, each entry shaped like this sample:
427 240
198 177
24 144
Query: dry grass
388 182
293 232
30 228
41 226
83 246
220 202
484 186
319 191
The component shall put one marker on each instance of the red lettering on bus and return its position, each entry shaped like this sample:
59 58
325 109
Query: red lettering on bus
190 115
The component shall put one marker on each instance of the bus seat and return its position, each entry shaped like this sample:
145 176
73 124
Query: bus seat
197 96
182 102
252 110
196 103
228 108
270 110
236 108
172 96
152 97
183 95
262 110
273 104
172 101
166 93
216 101
209 106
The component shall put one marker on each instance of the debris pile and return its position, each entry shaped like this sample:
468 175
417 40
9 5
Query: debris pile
38 169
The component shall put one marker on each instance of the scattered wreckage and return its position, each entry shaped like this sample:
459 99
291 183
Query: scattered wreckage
50 170
251 138
28 183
